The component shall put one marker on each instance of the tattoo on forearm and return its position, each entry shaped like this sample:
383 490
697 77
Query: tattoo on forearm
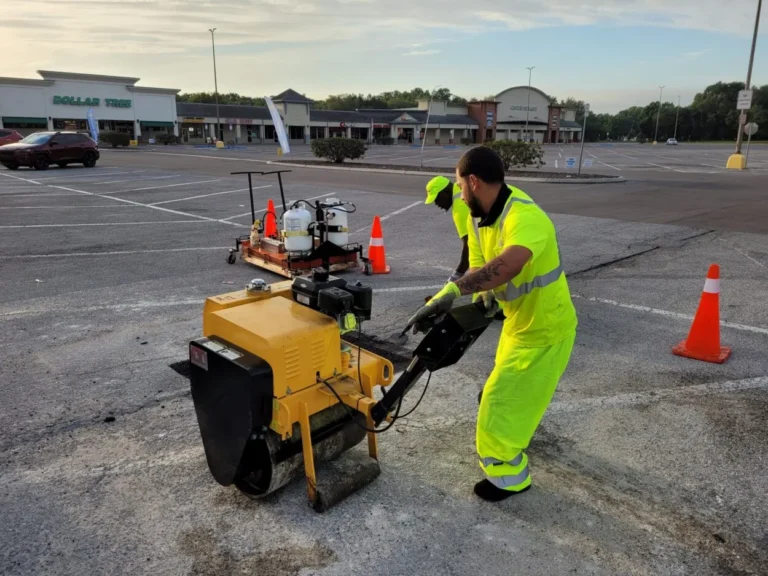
477 281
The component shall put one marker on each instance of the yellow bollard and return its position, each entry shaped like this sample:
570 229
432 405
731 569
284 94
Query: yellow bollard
133 143
736 162
279 151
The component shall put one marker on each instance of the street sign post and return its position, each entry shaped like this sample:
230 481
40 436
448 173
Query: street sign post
744 101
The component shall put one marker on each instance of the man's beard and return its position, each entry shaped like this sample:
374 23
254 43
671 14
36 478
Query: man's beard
475 209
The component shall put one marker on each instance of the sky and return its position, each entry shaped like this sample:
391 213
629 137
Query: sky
611 53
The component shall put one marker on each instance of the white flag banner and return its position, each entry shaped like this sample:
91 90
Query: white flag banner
279 128
93 126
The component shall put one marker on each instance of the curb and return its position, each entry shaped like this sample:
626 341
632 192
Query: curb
618 179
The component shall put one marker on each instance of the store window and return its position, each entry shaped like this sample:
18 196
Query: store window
69 124
269 133
296 132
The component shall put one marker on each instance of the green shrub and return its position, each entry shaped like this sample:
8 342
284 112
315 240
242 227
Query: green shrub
115 139
467 141
166 139
338 149
517 154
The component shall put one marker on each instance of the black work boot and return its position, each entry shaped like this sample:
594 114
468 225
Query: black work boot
490 493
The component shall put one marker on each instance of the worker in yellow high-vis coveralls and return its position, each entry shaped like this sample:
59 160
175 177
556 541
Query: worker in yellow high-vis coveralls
443 194
515 264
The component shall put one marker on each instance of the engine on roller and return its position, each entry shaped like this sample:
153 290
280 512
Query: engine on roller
276 388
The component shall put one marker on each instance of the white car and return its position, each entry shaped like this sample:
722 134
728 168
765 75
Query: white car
671 142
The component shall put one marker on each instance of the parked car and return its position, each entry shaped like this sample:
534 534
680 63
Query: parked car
41 149
8 136
671 142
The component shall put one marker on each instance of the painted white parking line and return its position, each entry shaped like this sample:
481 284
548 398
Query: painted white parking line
229 158
436 159
666 167
102 224
37 194
670 314
66 207
264 209
388 216
207 195
148 305
134 203
136 179
114 253
77 174
159 187
559 155
19 178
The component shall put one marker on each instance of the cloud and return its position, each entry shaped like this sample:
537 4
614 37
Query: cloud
428 52
695 55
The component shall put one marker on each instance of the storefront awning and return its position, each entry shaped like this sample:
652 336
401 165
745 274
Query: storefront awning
24 120
157 124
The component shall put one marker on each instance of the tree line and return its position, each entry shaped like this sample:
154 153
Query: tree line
711 116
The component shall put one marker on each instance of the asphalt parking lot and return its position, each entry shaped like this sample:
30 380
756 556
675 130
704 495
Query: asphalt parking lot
610 158
646 463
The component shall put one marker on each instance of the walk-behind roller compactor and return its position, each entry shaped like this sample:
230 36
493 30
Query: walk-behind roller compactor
277 389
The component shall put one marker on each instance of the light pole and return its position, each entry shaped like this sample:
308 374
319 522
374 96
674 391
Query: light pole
677 116
739 136
215 85
528 108
426 127
658 112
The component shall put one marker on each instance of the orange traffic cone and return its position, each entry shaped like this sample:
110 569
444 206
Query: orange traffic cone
270 222
703 341
376 253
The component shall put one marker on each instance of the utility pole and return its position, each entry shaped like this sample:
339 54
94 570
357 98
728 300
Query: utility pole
740 135
583 134
677 116
426 127
216 86
658 112
528 108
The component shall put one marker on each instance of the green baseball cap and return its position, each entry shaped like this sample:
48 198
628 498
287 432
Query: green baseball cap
435 186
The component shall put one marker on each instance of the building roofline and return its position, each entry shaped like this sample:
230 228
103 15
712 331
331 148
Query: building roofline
533 89
53 75
150 90
25 82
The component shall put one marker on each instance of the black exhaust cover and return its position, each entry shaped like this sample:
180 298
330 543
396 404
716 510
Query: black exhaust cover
232 390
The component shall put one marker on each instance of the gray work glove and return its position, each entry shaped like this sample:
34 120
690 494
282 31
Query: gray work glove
435 309
490 304
455 276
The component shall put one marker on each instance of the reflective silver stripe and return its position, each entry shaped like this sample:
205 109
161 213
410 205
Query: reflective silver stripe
512 292
457 195
491 461
509 481
477 230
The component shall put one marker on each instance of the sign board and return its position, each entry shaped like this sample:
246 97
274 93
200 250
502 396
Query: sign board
742 119
588 163
586 107
744 101
751 129
151 140
570 162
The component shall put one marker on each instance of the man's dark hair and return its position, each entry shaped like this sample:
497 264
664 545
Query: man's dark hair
483 163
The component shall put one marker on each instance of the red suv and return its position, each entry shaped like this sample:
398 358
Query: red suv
8 136
41 149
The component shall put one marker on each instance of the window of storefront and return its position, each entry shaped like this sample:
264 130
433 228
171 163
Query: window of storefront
296 132
69 124
29 125
269 133
316 132
360 133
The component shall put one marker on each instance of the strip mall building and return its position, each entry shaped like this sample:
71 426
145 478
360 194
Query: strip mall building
61 100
